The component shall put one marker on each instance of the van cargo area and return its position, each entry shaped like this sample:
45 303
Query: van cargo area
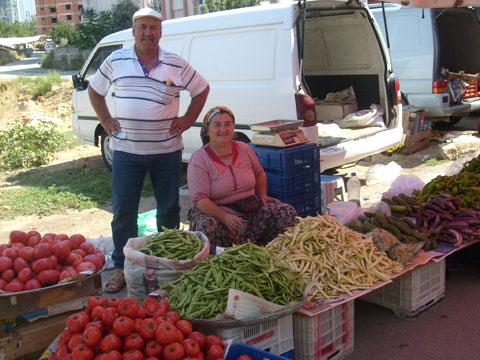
358 64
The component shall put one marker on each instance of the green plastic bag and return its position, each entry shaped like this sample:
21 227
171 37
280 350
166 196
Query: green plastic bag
147 223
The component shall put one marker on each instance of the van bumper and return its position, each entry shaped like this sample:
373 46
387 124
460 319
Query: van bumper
435 105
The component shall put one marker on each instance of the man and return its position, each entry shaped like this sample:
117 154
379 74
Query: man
146 133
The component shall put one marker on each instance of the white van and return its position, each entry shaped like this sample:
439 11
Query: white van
422 42
270 62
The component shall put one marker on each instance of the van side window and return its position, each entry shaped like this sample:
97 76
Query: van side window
97 59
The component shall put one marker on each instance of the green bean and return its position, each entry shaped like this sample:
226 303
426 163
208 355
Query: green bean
173 244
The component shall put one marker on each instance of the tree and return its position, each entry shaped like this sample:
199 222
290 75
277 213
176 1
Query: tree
219 5
64 33
17 29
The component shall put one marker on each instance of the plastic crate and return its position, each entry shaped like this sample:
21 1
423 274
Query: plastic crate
413 292
306 203
255 353
292 158
471 90
328 335
299 181
275 335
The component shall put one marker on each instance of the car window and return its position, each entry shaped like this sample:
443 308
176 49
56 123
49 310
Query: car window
97 59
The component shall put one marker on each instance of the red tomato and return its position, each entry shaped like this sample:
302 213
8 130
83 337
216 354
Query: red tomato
92 335
32 284
5 263
191 347
148 328
134 341
62 351
165 333
62 249
3 247
88 248
74 341
43 250
174 316
76 322
11 253
178 335
76 240
201 356
173 351
141 313
54 261
60 237
93 258
133 355
213 340
96 323
27 253
65 336
184 326
86 266
113 355
41 264
128 306
97 313
24 275
19 264
215 352
33 240
198 337
68 274
153 349
8 275
123 326
244 357
80 252
95 300
82 352
163 307
113 302
110 342
17 246
48 277
74 259
48 238
14 286
2 284
17 236
109 315
151 305
138 323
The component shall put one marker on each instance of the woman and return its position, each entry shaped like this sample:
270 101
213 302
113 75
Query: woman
228 188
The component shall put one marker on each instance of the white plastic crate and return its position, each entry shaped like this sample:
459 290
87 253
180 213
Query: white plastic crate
326 336
413 292
275 336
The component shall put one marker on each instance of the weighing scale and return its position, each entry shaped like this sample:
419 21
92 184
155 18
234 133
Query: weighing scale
278 133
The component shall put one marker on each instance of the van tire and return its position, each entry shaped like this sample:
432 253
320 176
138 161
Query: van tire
107 153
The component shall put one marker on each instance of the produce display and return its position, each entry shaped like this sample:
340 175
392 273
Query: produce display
401 252
441 218
173 244
333 258
465 185
115 329
202 292
31 261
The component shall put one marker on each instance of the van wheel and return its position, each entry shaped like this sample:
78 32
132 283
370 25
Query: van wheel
107 153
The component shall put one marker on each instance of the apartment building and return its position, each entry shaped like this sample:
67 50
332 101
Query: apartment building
8 11
51 12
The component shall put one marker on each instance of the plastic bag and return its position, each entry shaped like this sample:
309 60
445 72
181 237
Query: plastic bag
144 273
383 174
404 184
147 223
363 118
105 244
344 211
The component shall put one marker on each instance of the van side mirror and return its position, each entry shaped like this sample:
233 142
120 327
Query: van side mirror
79 83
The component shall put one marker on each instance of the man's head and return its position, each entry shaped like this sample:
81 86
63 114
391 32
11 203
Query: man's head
147 30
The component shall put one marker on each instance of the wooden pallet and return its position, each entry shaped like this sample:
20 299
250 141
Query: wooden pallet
417 141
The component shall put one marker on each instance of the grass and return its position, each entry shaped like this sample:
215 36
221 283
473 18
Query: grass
39 85
54 189
435 161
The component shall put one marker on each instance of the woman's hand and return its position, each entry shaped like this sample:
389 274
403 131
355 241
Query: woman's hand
264 198
233 222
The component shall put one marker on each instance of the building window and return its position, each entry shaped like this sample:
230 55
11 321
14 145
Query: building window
69 17
79 18
52 9
80 8
68 6
54 20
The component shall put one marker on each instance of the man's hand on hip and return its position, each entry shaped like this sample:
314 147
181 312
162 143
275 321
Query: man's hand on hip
111 126
179 125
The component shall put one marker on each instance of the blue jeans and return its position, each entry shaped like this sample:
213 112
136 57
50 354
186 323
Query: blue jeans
128 174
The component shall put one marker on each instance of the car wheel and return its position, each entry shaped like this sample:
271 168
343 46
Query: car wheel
107 153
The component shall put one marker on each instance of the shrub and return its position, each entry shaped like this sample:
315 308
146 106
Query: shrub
47 61
25 146
39 85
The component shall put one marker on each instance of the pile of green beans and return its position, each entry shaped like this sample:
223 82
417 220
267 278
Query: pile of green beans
173 244
202 292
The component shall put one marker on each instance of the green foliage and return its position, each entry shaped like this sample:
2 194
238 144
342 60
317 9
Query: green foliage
7 56
65 34
17 29
219 5
25 146
47 61
40 85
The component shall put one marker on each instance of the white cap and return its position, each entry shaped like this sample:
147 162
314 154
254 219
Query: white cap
147 12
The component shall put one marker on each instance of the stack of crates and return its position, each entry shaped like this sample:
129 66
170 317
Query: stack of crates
293 175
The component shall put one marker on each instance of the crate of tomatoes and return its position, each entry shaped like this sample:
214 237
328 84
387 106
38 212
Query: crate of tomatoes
37 271
124 328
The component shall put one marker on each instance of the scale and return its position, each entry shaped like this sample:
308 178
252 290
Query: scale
278 133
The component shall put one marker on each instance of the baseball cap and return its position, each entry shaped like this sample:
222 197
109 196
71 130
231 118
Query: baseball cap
147 12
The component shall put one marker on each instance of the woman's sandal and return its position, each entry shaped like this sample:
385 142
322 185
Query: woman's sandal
116 282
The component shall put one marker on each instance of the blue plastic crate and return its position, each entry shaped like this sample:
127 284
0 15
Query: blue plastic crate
295 157
305 180
307 203
237 349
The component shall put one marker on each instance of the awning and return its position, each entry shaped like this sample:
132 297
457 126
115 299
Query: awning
432 3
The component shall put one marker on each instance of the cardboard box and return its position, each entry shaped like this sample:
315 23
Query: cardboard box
414 120
330 111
